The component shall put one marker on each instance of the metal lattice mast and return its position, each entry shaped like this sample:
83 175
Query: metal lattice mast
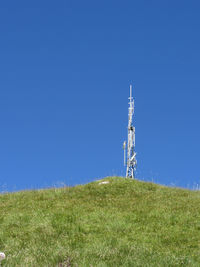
130 162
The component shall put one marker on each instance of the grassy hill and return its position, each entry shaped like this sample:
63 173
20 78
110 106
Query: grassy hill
123 223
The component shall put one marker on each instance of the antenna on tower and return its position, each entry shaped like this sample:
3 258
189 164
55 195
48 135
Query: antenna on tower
124 147
131 161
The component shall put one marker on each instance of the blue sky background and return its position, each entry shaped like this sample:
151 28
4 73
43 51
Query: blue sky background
65 70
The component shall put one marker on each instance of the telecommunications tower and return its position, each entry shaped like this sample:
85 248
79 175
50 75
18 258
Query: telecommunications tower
131 161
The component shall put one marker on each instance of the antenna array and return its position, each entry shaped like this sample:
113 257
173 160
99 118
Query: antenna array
131 161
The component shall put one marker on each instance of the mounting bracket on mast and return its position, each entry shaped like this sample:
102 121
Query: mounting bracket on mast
131 161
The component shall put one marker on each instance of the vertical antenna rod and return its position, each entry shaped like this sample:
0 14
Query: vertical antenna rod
131 154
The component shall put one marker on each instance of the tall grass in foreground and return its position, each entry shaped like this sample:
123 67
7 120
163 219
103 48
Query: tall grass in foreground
123 223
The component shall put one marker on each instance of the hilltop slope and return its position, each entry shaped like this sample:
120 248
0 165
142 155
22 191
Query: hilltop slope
123 223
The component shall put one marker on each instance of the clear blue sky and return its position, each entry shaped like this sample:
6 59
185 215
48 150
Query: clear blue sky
65 70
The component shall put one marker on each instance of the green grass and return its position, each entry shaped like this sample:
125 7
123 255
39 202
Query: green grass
123 223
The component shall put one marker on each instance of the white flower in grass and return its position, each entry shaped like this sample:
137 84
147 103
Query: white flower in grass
2 256
104 182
